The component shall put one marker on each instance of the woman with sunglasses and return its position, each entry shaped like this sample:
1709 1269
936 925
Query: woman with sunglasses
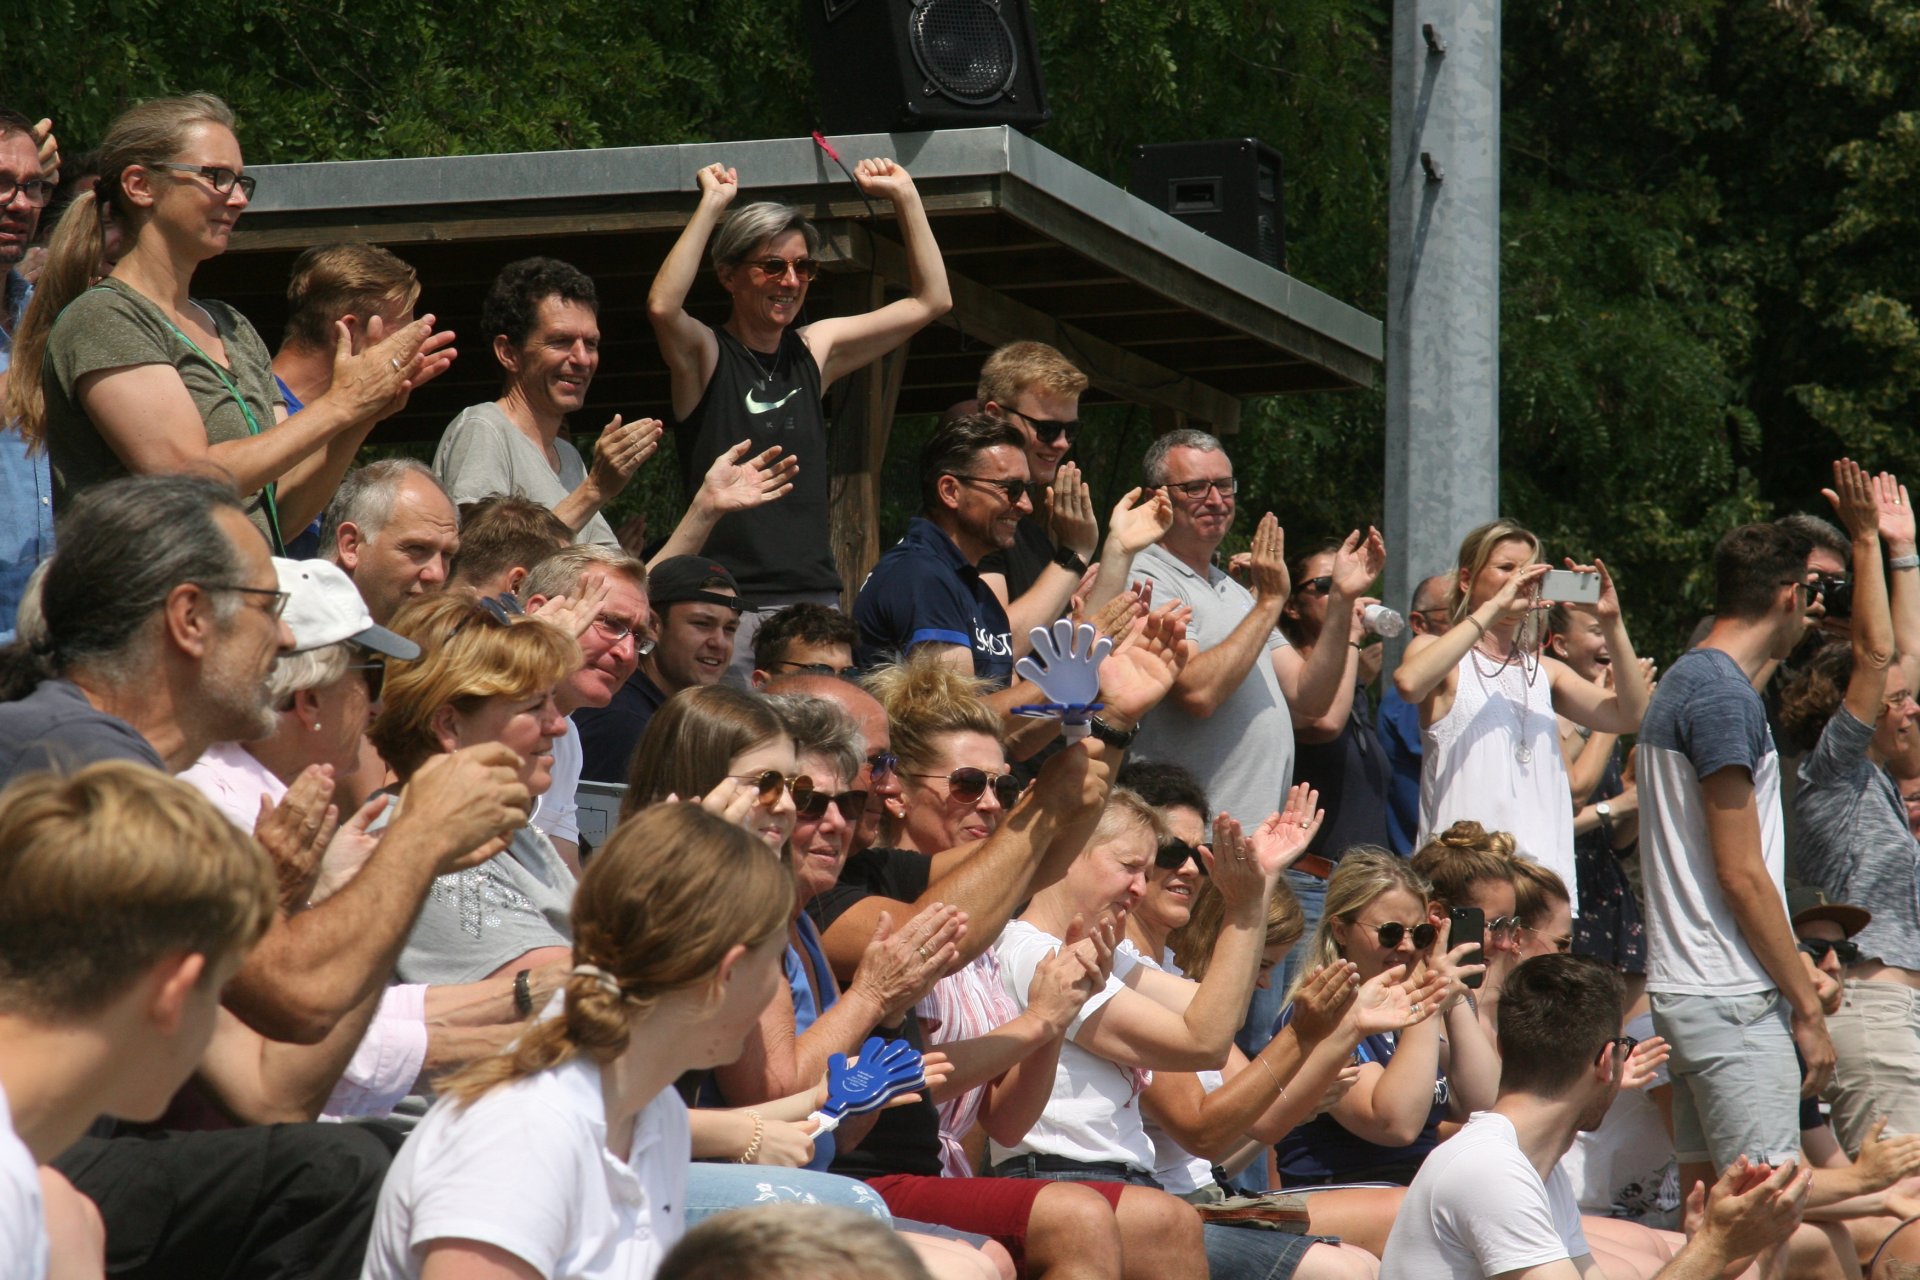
955 785
133 375
1490 699
759 375
1379 917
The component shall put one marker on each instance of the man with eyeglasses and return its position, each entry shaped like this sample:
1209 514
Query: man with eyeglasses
758 376
612 640
696 607
1493 1200
26 480
803 639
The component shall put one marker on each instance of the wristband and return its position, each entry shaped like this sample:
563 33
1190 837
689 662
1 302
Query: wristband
1069 559
1904 562
523 994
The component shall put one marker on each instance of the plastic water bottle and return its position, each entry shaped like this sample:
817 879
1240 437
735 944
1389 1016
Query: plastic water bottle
1382 621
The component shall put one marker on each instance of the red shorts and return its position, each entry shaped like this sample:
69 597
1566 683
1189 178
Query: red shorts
997 1207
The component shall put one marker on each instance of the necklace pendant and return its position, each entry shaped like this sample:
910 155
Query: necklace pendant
1523 754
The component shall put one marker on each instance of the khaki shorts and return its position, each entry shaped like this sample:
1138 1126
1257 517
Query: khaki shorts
1876 1036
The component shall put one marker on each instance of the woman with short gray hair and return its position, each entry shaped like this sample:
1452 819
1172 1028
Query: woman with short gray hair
759 376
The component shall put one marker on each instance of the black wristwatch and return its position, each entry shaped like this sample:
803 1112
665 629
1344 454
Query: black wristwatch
1068 558
523 994
1112 736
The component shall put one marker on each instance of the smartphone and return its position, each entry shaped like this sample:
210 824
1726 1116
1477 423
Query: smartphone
1469 925
1570 586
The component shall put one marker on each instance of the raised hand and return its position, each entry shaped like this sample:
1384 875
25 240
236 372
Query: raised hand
1451 963
48 147
1141 669
1285 835
1519 594
348 851
620 450
465 805
1116 617
736 482
373 378
1267 560
1389 1001
1853 498
1140 519
295 832
1323 1000
1235 872
718 185
574 615
899 968
1070 519
882 177
1644 1063
732 800
1357 562
1896 513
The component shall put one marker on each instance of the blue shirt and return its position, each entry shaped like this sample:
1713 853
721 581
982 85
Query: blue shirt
1323 1150
808 1005
306 544
1398 728
923 591
26 486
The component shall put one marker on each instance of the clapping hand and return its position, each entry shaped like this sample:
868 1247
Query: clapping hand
1144 665
1285 835
1323 1000
348 851
1644 1063
1357 562
1070 519
1393 1001
1752 1208
1140 519
900 967
296 832
620 450
1896 520
1067 979
735 485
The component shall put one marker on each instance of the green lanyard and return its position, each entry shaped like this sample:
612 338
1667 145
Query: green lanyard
253 424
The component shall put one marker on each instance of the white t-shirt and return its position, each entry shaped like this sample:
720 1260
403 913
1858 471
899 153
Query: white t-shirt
1626 1167
1478 1208
1704 717
1175 1168
526 1169
23 1221
558 813
1094 1112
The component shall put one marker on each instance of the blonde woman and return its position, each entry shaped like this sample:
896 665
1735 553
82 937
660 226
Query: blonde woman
566 1158
1488 699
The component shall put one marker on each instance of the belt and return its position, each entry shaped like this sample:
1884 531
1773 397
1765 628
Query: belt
1313 864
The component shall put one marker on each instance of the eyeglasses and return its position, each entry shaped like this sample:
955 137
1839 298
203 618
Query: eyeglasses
1561 942
1011 490
1392 931
969 784
812 805
1622 1046
1049 430
616 630
882 762
276 600
1174 854
1502 925
374 673
1319 586
777 268
773 783
815 668
1196 490
35 191
1849 952
223 181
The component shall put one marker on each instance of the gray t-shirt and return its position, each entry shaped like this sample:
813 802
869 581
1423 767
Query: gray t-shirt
1243 752
477 920
482 452
55 727
1855 842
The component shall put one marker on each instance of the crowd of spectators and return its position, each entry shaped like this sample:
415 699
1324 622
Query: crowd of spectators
1501 961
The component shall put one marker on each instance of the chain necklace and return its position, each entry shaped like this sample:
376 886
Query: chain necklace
1530 671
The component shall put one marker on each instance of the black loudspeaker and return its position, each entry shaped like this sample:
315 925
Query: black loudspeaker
1229 188
882 66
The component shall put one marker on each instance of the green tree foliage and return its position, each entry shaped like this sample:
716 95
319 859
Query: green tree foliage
1709 241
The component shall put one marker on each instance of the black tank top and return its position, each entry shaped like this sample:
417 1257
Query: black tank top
784 548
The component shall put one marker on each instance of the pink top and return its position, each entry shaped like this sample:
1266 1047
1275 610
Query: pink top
235 782
962 1006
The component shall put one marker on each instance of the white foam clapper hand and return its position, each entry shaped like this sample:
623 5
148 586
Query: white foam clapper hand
1065 663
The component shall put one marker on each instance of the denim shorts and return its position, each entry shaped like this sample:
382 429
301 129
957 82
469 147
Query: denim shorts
1736 1078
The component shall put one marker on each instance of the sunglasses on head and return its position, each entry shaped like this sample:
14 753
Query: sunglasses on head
772 783
1849 952
812 805
1049 430
1392 931
969 784
1174 854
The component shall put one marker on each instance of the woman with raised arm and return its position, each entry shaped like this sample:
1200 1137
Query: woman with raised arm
760 375
134 376
1488 698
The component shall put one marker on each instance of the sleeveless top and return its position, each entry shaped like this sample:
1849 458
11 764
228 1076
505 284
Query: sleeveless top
1471 768
784 549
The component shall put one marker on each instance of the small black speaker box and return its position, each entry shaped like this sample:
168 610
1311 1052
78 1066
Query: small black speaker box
1229 188
882 66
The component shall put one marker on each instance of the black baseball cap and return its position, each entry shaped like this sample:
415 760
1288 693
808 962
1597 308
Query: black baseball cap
688 578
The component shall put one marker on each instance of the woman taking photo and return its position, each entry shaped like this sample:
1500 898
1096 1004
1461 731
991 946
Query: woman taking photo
567 1156
1488 699
133 375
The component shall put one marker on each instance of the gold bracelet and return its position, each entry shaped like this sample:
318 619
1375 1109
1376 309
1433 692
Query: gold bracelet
1278 1088
759 1132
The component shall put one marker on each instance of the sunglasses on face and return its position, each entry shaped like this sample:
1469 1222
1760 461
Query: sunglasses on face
1393 931
1561 942
772 783
880 763
1849 952
374 672
969 784
812 806
1174 854
1620 1048
1319 586
1011 490
1049 430
1502 926
815 668
777 268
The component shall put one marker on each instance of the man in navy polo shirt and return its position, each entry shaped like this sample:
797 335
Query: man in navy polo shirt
927 590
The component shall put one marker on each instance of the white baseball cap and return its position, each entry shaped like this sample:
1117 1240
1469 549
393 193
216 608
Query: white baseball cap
324 607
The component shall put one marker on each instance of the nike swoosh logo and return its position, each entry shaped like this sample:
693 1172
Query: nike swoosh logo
756 405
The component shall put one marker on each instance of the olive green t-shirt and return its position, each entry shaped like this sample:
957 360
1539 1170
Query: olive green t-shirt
114 327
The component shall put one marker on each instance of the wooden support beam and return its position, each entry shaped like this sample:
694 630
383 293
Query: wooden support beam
991 316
